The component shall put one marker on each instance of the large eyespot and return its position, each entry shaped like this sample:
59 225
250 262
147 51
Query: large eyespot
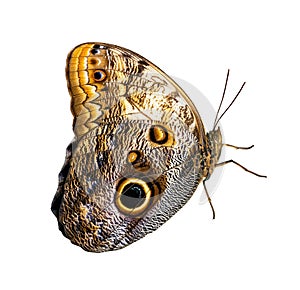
134 196
99 75
161 135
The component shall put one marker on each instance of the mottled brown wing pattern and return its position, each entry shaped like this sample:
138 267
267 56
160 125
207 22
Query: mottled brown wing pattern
106 81
139 150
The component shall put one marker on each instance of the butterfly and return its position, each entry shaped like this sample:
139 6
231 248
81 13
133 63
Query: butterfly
140 149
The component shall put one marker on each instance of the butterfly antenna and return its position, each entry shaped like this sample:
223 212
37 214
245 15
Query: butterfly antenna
224 91
238 93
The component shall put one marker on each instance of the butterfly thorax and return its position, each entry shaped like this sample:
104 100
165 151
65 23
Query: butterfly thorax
212 153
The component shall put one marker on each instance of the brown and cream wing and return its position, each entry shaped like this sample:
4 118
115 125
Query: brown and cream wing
108 82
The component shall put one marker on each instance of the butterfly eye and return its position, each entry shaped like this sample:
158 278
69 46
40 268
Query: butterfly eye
160 135
99 75
133 196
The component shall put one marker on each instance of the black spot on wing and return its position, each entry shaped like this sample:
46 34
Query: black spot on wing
142 65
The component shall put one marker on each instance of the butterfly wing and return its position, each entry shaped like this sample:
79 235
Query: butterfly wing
103 79
135 159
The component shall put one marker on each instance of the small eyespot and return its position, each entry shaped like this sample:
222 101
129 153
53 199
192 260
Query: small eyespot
99 75
98 46
133 196
134 156
138 161
94 61
95 51
160 135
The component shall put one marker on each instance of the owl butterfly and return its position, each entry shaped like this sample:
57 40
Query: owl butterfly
140 149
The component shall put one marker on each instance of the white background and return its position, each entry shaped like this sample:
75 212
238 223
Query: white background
254 241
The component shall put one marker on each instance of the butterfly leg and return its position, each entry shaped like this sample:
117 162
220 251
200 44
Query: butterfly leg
209 199
238 164
238 147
